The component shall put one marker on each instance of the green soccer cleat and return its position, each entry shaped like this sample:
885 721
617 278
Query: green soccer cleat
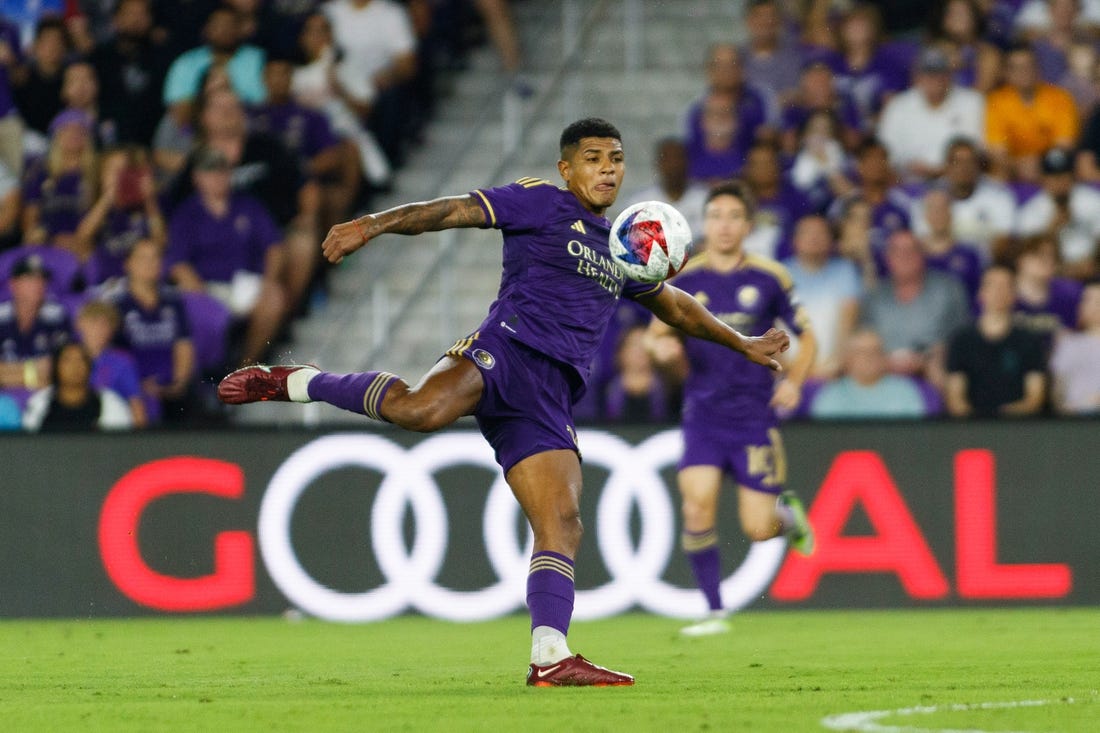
802 535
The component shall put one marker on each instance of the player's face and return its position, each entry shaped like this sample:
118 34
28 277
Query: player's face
594 172
725 224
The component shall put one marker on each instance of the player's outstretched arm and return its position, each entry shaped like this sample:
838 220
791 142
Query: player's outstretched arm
449 212
680 310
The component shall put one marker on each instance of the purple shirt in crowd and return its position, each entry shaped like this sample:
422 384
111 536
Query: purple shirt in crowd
1060 310
782 211
844 108
755 108
150 334
723 386
62 201
560 287
304 131
869 86
117 371
219 246
51 328
962 261
121 231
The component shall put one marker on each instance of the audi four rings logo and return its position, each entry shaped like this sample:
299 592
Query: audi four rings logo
635 570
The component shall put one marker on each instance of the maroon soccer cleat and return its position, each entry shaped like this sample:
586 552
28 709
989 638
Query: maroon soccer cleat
257 383
576 672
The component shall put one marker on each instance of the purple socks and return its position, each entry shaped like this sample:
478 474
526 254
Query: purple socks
361 393
550 590
702 553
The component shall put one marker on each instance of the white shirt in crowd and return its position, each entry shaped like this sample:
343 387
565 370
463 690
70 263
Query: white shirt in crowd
988 213
1077 239
371 36
915 132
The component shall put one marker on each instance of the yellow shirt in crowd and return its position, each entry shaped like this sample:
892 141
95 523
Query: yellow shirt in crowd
1032 127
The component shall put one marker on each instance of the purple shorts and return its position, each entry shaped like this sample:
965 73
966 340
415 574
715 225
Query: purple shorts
752 455
527 403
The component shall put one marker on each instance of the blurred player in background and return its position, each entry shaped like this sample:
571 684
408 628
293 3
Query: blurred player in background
527 363
730 424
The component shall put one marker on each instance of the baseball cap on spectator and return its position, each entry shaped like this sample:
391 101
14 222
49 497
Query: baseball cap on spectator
1056 161
30 265
72 116
933 60
211 159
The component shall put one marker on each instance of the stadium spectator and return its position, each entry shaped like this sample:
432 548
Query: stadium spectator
877 181
1052 27
982 210
126 210
60 187
771 54
329 160
222 47
820 169
97 324
852 215
156 331
917 124
267 171
755 115
332 87
778 204
11 208
636 394
1073 365
11 123
1080 79
1025 117
942 251
71 402
829 287
817 92
226 244
37 86
1066 209
915 310
958 27
379 44
31 327
867 389
80 91
866 70
995 368
131 66
672 185
715 154
176 133
1045 302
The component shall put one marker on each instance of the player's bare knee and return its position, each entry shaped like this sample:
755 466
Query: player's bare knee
758 530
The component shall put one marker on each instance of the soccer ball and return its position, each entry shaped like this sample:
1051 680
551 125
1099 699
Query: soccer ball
651 241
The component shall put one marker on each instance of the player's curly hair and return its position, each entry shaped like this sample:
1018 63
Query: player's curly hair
588 127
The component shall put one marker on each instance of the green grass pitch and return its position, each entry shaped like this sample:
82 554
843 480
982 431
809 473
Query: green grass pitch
778 671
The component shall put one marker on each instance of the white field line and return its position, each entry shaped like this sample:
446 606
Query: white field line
865 722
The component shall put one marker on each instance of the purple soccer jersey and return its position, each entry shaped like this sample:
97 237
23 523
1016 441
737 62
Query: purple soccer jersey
869 86
560 286
149 334
50 329
304 131
845 109
219 246
782 211
722 388
1060 310
117 371
962 261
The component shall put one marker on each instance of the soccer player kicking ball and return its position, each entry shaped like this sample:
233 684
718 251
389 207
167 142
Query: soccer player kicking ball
521 371
729 421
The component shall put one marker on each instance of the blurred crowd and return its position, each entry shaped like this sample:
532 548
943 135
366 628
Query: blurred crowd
167 168
929 176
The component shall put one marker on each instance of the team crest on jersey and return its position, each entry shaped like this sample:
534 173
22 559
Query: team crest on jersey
484 359
703 298
747 296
